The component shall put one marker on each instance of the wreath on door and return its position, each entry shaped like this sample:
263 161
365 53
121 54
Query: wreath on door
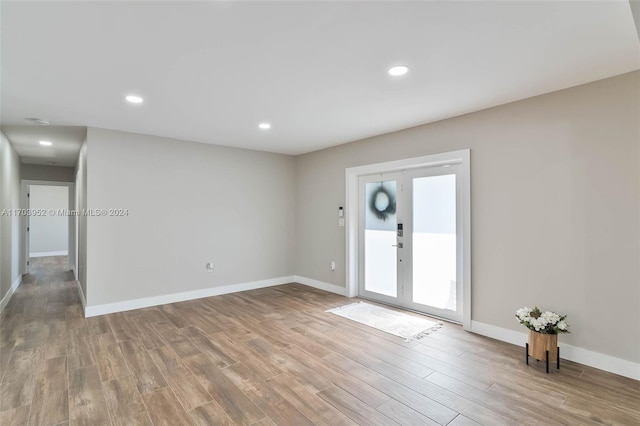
382 203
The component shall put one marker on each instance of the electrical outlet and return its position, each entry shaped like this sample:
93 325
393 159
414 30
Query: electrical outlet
332 265
209 266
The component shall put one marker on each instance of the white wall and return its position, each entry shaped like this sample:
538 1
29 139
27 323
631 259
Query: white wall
48 173
188 204
81 221
555 205
10 245
49 233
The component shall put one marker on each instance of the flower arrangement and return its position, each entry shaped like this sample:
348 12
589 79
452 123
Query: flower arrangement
543 322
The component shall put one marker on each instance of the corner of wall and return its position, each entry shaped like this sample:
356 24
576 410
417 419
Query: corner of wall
10 225
7 297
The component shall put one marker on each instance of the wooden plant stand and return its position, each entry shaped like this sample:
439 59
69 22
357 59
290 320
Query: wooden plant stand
543 347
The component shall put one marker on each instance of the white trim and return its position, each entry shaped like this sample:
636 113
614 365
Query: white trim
49 253
7 297
572 353
332 288
128 305
82 298
351 206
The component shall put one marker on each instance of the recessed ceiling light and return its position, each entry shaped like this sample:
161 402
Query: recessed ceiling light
398 70
264 126
134 99
45 143
51 162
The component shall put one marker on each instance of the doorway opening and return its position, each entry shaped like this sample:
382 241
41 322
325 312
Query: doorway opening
49 223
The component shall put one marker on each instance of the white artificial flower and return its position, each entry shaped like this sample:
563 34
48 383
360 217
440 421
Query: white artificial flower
523 314
537 324
545 321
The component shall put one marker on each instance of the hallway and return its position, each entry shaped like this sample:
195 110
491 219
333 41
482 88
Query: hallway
32 329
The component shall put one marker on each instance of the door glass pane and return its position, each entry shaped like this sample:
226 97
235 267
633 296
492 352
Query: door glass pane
380 273
434 241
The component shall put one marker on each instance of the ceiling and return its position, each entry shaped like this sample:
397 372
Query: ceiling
317 71
65 140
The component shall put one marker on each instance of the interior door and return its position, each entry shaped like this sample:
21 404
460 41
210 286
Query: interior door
410 239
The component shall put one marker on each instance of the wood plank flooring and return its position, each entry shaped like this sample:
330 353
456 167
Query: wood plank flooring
272 356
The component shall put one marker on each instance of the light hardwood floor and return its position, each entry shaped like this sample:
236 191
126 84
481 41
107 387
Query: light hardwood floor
272 356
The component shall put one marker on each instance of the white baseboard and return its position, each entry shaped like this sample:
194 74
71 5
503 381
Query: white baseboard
128 305
83 299
572 353
49 253
7 297
321 285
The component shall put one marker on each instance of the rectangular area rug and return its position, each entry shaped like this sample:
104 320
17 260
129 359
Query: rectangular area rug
393 322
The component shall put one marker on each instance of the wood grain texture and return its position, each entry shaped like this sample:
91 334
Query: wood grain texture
98 325
355 409
55 339
124 403
109 358
404 415
86 398
463 421
210 415
397 391
121 328
16 416
50 405
232 400
305 400
186 387
30 336
271 403
208 346
79 350
174 337
18 383
164 409
272 356
147 376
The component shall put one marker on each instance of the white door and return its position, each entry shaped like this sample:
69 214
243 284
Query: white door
410 240
379 263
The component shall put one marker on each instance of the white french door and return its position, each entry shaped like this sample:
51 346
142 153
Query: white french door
410 239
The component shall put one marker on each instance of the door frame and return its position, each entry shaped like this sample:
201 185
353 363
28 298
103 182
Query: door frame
352 174
24 201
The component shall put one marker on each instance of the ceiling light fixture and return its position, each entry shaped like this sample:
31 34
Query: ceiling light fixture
45 143
398 70
264 126
134 99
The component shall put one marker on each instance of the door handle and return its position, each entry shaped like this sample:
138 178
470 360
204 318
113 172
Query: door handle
399 245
